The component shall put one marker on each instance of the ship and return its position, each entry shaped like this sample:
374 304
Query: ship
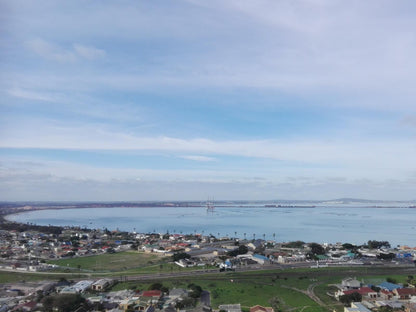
210 206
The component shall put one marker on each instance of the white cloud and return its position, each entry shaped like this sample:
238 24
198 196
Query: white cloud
312 53
198 158
50 51
35 184
33 95
87 52
55 52
409 120
353 156
360 51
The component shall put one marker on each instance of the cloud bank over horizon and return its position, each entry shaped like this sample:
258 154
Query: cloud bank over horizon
139 100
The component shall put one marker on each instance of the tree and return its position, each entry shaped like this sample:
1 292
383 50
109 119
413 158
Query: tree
215 293
296 244
274 302
47 303
317 249
180 255
348 246
156 286
63 302
195 291
241 250
389 256
373 244
391 280
186 303
347 299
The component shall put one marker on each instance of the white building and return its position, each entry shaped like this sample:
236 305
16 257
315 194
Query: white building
356 307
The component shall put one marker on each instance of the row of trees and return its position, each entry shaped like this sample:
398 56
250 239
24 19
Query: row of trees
373 244
63 302
23 227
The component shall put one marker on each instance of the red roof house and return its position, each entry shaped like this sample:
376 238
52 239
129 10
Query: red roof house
151 293
258 308
405 293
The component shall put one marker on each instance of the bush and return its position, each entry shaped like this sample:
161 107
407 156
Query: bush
180 255
156 286
63 303
195 291
241 250
347 299
296 244
391 280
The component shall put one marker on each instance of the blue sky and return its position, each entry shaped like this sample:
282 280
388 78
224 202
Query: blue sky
185 100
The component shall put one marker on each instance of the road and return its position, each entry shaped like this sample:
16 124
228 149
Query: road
286 270
214 274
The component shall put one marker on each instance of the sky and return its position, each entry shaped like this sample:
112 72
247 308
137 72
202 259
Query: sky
192 99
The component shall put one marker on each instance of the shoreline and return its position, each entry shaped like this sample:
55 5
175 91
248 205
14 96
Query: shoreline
7 222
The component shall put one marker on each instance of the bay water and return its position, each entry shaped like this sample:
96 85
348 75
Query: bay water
322 224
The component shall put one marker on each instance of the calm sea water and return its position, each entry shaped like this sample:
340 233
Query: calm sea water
319 224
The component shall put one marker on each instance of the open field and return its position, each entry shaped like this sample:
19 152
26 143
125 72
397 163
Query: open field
298 290
295 290
127 263
246 292
120 261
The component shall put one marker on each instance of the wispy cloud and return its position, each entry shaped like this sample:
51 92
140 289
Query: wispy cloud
50 51
88 52
317 89
198 158
409 120
55 186
55 52
32 95
373 156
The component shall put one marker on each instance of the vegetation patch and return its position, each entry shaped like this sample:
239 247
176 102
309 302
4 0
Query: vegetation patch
110 261
12 277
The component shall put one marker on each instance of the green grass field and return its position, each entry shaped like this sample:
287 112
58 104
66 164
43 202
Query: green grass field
287 286
112 262
250 291
127 263
291 288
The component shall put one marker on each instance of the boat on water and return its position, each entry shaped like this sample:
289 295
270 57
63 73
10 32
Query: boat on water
210 206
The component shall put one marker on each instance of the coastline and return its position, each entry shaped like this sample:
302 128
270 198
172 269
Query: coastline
286 223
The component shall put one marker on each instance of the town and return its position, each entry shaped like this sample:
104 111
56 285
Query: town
88 283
